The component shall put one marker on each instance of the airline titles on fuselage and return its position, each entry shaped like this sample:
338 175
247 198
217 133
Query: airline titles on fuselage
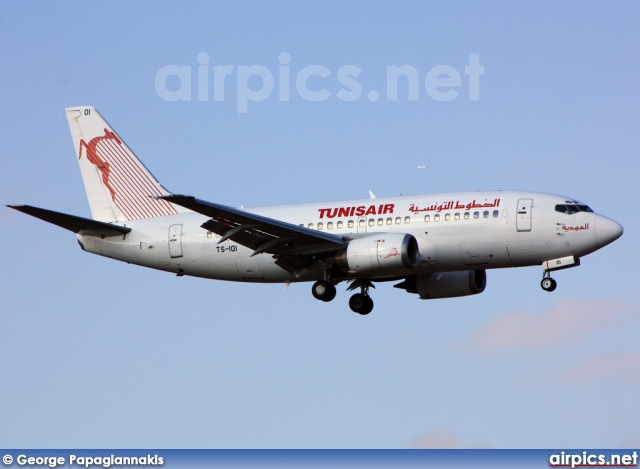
360 211
450 206
384 209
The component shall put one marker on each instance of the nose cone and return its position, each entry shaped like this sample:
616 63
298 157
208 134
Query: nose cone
607 230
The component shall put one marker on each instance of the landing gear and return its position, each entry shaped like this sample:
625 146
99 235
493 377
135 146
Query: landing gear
361 303
323 290
548 284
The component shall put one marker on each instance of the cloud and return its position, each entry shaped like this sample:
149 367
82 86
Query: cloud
568 321
618 367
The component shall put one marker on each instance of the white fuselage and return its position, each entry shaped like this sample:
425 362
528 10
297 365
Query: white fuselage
455 232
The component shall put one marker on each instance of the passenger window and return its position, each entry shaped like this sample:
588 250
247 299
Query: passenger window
407 219
320 225
398 220
350 223
456 216
372 221
310 226
389 221
361 223
485 214
427 218
339 225
476 215
447 217
496 213
380 221
330 225
466 215
436 217
208 234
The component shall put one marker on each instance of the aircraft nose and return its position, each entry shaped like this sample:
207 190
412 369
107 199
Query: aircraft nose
607 230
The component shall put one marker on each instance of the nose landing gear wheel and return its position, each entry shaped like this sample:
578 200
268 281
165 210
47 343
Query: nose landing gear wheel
323 291
548 284
361 304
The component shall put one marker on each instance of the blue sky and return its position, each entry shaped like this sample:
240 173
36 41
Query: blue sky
97 353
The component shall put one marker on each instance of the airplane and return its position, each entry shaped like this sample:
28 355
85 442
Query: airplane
434 246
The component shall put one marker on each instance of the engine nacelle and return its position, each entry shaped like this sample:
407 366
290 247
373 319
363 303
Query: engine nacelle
388 253
447 285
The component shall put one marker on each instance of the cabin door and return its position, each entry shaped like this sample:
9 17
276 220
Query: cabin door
523 214
175 241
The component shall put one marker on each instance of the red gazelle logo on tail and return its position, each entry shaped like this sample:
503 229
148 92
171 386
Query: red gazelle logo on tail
131 186
92 156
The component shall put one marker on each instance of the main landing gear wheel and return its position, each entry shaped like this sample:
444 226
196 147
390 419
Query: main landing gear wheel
548 284
323 291
361 303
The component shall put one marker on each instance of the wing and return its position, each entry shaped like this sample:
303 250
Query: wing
294 247
80 225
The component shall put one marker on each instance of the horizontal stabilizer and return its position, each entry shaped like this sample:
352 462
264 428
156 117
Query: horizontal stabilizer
79 225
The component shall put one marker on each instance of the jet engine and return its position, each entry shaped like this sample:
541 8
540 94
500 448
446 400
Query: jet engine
445 285
387 253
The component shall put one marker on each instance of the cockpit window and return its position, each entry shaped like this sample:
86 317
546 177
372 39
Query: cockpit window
562 208
571 208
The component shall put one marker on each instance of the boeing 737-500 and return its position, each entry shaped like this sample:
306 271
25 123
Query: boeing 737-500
435 246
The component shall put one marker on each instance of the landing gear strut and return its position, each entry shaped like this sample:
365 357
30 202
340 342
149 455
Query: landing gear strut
548 284
323 290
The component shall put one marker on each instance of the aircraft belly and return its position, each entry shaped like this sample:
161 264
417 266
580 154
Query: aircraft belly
468 255
248 268
461 249
473 254
271 271
127 249
529 252
205 258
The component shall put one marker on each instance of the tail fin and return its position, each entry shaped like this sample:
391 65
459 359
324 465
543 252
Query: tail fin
118 185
